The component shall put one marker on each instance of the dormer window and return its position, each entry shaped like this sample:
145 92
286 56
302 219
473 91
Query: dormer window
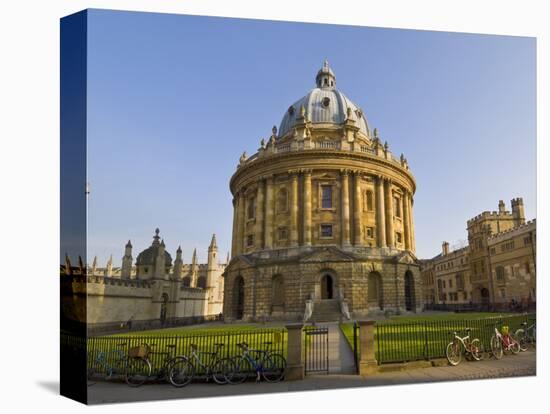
326 102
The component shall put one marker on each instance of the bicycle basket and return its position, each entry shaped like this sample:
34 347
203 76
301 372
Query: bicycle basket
141 351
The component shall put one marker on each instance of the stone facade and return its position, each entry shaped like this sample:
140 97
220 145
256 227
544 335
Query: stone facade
323 211
497 267
152 293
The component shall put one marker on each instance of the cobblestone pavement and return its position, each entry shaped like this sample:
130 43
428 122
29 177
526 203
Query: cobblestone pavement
523 364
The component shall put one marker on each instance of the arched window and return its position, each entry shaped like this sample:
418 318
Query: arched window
201 282
186 281
282 200
251 208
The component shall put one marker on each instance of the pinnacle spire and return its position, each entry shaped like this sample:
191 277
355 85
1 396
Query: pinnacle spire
213 244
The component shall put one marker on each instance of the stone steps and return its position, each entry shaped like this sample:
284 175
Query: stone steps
326 310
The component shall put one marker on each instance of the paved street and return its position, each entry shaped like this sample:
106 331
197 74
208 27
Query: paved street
510 366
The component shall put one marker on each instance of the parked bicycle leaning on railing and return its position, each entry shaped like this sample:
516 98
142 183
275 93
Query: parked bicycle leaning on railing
186 368
472 348
258 363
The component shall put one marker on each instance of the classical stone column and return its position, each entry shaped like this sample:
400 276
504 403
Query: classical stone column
357 209
268 230
411 214
235 227
345 209
307 208
294 209
390 234
380 212
241 223
406 221
259 231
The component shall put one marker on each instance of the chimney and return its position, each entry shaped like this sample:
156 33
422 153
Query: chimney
445 248
501 207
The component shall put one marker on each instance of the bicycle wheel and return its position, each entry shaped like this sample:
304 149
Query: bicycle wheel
520 336
496 347
223 370
514 346
181 372
476 349
137 371
273 367
454 356
243 370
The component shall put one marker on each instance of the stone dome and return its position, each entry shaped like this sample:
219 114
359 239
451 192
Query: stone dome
149 255
324 105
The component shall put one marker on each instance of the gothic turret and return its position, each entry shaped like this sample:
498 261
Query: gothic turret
212 264
194 269
109 269
126 270
178 264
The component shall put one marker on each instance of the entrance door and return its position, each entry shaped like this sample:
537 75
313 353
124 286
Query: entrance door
239 288
327 287
409 291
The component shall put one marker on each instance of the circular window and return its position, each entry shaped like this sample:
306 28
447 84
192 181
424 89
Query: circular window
326 102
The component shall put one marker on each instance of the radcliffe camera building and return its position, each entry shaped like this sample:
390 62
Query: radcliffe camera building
496 270
323 218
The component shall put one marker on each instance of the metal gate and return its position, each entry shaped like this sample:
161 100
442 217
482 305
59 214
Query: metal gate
316 349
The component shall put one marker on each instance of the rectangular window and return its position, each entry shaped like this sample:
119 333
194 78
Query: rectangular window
283 234
450 283
493 251
369 232
397 207
527 240
527 268
326 230
250 240
326 196
398 237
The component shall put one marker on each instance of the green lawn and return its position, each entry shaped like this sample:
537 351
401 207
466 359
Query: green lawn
417 337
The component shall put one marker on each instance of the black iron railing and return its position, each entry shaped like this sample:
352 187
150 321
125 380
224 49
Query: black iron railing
425 340
107 351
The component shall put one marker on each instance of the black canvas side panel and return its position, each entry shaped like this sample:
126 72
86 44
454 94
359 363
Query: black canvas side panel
73 258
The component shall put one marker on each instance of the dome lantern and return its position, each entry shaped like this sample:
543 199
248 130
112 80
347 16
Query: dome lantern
325 77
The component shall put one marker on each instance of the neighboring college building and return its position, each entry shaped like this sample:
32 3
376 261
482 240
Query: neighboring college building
323 218
153 293
496 270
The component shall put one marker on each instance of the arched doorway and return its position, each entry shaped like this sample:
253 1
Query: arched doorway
327 287
239 297
409 291
374 289
163 308
277 294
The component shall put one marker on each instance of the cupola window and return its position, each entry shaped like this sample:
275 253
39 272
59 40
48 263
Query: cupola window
326 102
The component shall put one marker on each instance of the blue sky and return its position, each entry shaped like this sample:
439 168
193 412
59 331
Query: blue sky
174 100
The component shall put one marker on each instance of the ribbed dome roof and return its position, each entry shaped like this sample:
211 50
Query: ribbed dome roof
149 255
324 104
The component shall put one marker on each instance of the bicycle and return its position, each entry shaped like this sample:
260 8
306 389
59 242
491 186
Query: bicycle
503 342
170 358
134 367
111 362
184 369
472 348
270 366
526 336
